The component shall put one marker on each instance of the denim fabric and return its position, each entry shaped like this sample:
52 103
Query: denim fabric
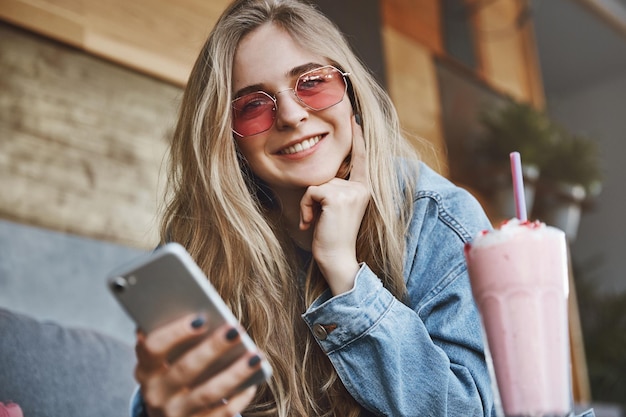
425 357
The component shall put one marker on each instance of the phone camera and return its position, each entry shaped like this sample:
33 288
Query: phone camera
119 284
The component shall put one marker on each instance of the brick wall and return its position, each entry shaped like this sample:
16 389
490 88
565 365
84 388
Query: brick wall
82 140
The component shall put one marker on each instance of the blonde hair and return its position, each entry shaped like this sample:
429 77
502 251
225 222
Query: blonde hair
222 214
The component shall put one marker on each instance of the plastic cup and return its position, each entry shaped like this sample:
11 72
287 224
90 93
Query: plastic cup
519 280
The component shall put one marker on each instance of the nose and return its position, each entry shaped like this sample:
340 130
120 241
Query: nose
290 112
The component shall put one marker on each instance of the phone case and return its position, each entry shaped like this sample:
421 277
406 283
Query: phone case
168 284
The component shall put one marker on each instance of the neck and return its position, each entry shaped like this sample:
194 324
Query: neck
289 217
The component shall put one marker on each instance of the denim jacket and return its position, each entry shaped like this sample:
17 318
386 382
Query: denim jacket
425 357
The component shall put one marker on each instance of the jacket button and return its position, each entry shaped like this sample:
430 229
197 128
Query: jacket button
320 332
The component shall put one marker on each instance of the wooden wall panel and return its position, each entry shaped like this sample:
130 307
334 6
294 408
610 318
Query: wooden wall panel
82 141
61 20
507 52
412 85
418 20
158 37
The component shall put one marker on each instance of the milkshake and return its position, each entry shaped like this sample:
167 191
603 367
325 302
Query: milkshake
519 280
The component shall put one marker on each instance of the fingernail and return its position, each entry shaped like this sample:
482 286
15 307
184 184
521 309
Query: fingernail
254 361
357 118
198 322
232 334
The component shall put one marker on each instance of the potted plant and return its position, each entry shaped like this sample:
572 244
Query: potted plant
570 177
512 126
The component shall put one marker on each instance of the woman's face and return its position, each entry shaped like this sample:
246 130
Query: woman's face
268 59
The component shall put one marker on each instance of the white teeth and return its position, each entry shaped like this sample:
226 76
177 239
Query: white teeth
302 146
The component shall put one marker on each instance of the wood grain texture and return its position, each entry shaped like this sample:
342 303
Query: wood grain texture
61 20
508 60
420 21
81 141
158 37
412 85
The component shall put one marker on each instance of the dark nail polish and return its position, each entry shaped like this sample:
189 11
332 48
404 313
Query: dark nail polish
232 334
357 118
198 322
254 361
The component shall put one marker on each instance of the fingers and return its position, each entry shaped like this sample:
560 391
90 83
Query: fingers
232 406
153 350
215 367
225 385
308 210
206 358
240 401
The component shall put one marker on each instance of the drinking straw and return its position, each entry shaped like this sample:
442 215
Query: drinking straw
518 186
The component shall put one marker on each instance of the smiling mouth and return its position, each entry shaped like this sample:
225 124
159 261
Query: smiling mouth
302 146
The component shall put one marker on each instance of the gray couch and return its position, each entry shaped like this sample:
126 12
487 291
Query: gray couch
66 347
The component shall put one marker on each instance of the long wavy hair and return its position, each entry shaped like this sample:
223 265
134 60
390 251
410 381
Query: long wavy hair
225 217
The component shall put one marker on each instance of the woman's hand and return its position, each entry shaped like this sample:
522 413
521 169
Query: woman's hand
173 388
335 210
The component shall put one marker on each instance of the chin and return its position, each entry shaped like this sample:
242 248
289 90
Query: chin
344 169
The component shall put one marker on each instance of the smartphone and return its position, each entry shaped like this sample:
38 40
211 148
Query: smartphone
166 285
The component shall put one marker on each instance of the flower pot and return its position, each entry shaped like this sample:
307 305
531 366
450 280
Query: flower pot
560 205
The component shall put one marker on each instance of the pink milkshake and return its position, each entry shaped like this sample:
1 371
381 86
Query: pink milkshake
520 283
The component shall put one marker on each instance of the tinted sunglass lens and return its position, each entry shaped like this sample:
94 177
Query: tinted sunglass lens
252 114
321 88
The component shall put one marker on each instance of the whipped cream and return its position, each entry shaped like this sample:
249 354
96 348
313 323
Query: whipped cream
512 228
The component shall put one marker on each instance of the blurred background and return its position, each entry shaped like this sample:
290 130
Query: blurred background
89 92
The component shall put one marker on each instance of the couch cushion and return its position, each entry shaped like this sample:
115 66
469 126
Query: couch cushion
50 370
60 277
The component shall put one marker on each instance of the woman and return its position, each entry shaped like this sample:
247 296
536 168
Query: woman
342 256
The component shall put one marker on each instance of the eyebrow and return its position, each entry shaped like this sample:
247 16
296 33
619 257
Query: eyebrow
292 73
